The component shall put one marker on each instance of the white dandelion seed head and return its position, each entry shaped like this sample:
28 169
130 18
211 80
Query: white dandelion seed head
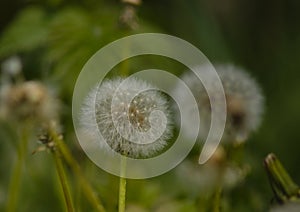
244 100
133 117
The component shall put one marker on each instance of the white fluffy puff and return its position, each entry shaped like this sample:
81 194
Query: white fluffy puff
131 115
244 102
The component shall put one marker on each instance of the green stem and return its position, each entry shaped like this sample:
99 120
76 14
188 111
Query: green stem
125 64
219 187
86 187
17 172
63 181
122 194
122 187
217 198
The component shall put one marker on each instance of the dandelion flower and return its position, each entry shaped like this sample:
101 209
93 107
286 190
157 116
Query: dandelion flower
244 101
129 115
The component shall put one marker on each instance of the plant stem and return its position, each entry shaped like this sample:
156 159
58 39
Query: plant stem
122 186
219 187
122 194
63 181
217 198
87 189
125 67
125 64
17 172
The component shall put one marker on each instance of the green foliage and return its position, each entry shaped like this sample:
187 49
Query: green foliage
26 33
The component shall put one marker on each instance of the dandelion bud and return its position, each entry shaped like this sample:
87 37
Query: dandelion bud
132 117
283 186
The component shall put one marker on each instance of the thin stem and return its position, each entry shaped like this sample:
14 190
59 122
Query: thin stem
236 154
122 187
122 194
217 198
17 172
87 189
63 181
125 64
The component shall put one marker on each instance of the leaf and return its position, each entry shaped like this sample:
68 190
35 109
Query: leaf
27 32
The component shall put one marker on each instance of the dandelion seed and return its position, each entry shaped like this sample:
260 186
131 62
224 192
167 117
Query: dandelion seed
114 129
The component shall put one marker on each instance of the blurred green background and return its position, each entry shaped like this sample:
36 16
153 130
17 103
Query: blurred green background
54 39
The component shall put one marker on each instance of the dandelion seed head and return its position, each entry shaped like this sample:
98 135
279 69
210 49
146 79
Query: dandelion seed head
28 100
122 114
244 102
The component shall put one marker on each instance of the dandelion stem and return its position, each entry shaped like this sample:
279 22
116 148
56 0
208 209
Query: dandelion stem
217 198
17 172
63 180
125 64
86 187
122 187
122 194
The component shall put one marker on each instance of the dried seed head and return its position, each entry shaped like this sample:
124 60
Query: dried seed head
128 116
28 100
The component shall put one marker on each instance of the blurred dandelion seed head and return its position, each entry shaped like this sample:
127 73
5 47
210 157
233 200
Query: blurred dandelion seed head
28 100
128 113
244 99
245 102
202 180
